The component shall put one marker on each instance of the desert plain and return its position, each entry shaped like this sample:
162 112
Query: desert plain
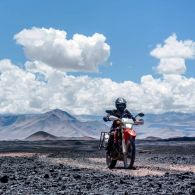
79 167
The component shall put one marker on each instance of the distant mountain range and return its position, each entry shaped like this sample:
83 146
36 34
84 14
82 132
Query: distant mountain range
166 125
56 122
61 124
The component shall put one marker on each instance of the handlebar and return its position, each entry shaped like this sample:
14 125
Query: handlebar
113 118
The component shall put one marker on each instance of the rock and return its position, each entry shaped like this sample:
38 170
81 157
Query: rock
115 187
159 185
126 193
88 186
192 183
65 178
166 174
51 170
183 176
77 176
171 182
61 166
150 185
54 185
193 191
188 173
46 176
122 181
63 187
12 177
61 192
76 169
27 182
4 179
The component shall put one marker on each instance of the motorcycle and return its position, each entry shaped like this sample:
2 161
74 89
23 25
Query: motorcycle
123 148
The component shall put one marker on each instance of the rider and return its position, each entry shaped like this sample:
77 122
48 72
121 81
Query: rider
119 112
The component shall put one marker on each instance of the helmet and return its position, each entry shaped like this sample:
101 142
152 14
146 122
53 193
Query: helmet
120 104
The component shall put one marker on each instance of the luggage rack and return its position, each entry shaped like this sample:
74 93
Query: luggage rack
103 139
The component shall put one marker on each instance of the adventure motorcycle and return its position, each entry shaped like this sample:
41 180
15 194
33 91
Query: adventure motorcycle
123 147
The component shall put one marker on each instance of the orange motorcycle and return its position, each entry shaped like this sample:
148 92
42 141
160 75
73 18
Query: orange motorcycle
123 148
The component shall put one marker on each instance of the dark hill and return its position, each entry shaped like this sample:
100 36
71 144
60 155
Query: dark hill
181 139
40 135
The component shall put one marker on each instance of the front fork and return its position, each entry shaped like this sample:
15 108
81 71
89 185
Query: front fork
124 145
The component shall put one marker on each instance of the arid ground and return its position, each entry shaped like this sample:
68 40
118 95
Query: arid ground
78 167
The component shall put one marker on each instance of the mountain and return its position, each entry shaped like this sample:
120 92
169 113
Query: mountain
57 122
61 124
85 118
165 125
40 135
168 125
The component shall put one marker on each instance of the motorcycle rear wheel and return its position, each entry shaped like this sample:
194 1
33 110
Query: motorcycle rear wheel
111 163
129 158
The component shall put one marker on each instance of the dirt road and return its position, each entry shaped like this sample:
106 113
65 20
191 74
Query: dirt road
77 167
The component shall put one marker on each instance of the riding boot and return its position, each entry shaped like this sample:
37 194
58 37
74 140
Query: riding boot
110 142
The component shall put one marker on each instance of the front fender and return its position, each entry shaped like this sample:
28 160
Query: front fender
129 133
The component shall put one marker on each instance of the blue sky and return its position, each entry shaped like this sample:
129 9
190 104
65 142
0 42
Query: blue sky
163 76
132 29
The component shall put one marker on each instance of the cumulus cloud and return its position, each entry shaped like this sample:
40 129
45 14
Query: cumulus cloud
39 87
17 88
51 46
21 92
173 54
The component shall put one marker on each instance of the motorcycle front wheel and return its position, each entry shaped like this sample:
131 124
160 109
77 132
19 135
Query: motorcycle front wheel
129 157
111 163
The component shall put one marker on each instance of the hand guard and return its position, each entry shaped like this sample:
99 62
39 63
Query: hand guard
105 118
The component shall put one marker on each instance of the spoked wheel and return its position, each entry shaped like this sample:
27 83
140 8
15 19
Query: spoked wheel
110 161
129 158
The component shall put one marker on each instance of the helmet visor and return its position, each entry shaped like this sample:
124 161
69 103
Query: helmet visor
121 106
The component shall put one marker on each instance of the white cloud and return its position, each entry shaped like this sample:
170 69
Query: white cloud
21 92
17 88
173 54
171 66
40 87
51 46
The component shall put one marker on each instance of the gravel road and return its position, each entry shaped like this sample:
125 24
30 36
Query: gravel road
79 168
